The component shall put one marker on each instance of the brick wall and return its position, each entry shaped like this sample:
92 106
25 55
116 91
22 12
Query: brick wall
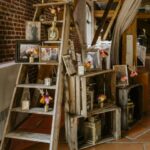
13 14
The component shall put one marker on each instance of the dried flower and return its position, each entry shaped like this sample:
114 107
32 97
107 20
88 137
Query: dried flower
103 53
133 74
102 98
88 65
133 70
45 99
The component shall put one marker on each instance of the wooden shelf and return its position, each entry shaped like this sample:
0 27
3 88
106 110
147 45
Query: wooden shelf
100 142
107 108
35 110
36 86
143 15
36 137
52 42
41 63
97 72
49 22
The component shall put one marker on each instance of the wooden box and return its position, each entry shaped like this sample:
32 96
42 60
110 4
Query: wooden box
90 86
92 131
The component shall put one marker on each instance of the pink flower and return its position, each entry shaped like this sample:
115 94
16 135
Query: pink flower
133 74
103 53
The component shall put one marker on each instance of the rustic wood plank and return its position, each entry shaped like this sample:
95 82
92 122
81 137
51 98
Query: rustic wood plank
100 142
7 125
100 13
36 137
99 72
78 96
35 110
41 63
84 97
60 84
74 133
42 86
113 87
72 91
145 15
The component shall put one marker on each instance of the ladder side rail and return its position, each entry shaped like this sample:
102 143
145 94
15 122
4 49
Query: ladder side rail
9 111
59 85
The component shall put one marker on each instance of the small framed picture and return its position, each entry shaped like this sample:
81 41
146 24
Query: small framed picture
121 75
48 54
27 49
70 68
33 31
92 61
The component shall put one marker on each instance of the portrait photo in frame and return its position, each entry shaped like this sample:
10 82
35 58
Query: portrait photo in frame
33 30
70 68
26 49
121 75
48 53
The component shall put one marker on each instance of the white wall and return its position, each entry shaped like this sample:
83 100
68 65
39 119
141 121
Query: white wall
8 75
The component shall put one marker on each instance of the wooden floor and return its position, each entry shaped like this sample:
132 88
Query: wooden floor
138 138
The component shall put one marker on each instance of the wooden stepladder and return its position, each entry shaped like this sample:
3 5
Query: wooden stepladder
15 110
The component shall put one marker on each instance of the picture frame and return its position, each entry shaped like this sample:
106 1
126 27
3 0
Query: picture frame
48 53
141 55
105 61
70 68
122 78
25 49
93 59
33 30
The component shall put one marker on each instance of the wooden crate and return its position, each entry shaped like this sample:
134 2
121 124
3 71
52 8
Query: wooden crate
92 85
74 127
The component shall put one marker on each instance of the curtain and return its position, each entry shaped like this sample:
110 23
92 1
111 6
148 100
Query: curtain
127 14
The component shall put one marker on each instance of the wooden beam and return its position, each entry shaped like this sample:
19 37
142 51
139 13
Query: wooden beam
105 1
112 21
100 13
103 22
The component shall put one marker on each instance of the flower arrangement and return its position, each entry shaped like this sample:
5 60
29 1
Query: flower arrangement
32 52
88 64
45 98
101 98
103 53
133 71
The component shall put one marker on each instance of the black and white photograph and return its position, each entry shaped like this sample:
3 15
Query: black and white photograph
70 68
33 31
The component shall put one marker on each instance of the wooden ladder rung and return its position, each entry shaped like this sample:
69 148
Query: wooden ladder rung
35 110
29 136
36 86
